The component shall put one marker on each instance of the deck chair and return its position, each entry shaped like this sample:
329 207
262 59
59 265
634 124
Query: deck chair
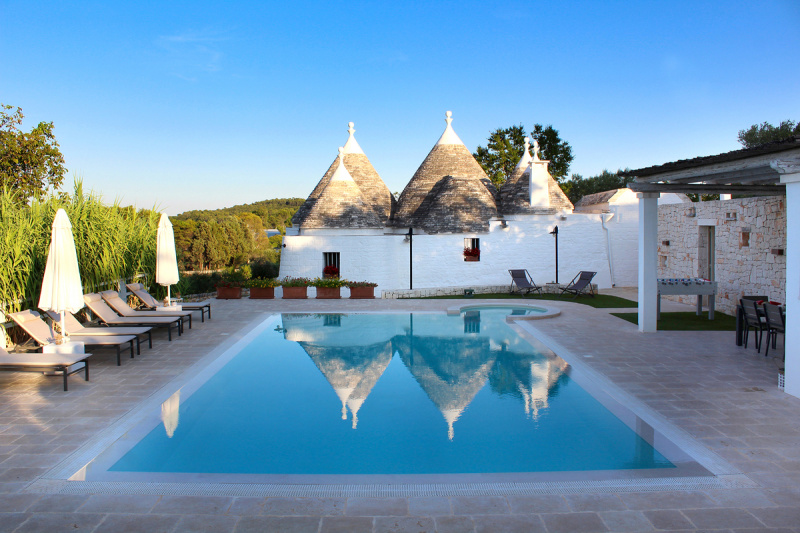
113 299
523 281
776 323
43 333
76 329
151 303
580 284
753 320
65 363
101 310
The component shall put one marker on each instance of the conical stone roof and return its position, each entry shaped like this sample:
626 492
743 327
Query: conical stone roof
457 205
341 204
515 192
449 157
375 191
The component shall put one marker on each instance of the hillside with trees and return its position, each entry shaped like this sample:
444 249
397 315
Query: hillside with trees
229 237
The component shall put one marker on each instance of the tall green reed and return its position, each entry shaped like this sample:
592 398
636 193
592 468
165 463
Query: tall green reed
112 243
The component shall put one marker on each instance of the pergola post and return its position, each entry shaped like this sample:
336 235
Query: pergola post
648 255
792 372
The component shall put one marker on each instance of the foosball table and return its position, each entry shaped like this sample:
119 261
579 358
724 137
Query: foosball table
683 286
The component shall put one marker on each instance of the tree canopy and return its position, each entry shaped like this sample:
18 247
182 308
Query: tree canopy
577 186
763 133
30 163
505 146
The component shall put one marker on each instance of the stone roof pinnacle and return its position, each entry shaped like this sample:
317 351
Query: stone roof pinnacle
526 159
341 173
352 146
449 136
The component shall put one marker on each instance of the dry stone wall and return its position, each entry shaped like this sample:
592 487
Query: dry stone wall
749 250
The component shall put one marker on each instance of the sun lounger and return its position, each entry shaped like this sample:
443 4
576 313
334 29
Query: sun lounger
76 329
101 310
44 334
523 281
119 305
580 284
46 362
147 299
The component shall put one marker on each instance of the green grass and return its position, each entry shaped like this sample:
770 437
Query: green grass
601 301
687 321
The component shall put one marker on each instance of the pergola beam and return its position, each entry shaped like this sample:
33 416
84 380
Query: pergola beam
709 188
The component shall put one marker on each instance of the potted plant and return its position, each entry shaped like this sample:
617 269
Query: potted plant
472 254
330 271
295 288
229 290
362 290
261 289
328 288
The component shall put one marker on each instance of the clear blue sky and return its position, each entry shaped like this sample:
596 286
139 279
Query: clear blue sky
199 105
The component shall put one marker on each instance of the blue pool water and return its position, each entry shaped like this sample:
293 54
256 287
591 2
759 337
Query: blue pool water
389 394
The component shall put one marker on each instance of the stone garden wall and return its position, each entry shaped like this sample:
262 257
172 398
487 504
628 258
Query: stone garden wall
750 246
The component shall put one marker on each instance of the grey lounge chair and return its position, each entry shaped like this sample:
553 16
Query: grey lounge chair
523 281
776 323
43 333
101 310
66 363
753 319
580 284
112 298
76 329
151 303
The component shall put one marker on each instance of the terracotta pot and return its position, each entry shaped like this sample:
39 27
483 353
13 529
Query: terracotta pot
295 293
262 293
229 293
471 258
328 293
362 293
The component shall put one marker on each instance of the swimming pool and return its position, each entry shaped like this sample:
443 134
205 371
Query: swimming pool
357 396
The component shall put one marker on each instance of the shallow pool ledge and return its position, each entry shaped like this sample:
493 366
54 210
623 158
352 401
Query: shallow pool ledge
545 312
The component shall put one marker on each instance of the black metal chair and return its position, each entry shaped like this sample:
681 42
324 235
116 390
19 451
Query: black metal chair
523 281
752 319
581 284
775 323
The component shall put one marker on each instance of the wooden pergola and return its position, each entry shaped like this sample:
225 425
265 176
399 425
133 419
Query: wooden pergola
769 169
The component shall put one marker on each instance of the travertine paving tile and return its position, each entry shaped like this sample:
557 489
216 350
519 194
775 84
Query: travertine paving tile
595 502
284 524
546 503
480 505
669 520
429 506
115 523
304 506
573 523
377 507
721 518
778 517
208 505
404 524
454 524
508 524
206 524
120 503
626 521
346 524
60 522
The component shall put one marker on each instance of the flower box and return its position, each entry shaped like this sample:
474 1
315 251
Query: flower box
328 293
362 293
262 293
295 293
229 293
471 258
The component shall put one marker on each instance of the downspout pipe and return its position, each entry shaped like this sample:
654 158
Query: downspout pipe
603 221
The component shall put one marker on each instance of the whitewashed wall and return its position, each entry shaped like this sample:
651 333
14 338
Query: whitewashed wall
439 261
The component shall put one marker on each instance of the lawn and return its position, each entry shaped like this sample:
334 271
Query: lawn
601 301
687 321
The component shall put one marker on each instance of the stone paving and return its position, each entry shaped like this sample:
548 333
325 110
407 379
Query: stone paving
725 396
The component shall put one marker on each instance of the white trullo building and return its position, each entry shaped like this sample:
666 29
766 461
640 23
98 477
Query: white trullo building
352 221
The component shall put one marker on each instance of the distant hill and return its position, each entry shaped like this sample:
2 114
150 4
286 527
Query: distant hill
217 238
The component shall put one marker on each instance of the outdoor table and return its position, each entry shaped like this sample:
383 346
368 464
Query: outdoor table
696 286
